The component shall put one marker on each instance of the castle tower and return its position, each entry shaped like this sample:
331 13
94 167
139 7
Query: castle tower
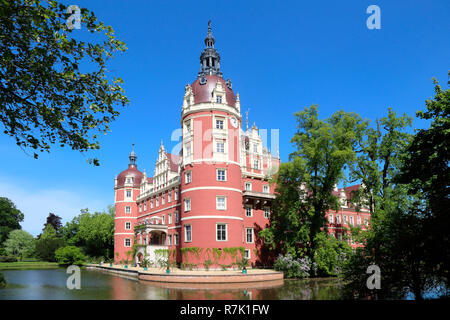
126 188
211 196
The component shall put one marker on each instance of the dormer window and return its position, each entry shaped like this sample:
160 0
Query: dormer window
129 180
219 99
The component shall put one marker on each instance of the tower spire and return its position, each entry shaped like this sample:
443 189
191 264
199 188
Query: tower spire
132 156
210 58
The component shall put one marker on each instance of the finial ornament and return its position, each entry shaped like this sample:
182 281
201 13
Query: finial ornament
210 58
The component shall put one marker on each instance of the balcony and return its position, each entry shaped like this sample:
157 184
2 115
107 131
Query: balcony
257 199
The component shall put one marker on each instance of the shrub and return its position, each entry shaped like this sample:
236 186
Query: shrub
293 268
8 259
2 281
207 264
330 255
69 255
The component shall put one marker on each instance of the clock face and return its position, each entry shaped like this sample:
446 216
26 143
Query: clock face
234 122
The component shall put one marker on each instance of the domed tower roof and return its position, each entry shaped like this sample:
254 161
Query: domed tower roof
203 92
210 74
132 172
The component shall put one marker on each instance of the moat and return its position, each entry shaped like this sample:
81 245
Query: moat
95 285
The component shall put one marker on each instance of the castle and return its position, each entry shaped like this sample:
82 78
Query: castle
215 194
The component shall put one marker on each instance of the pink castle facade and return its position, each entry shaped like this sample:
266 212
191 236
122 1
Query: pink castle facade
215 194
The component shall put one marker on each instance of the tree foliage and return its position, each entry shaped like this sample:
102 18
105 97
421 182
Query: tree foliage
306 182
48 243
93 232
20 243
70 255
408 237
54 88
10 218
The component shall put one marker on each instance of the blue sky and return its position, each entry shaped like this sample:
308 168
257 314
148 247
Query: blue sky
281 57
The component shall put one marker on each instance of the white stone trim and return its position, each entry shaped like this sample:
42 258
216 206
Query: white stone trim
150 213
124 233
126 217
215 161
212 188
211 217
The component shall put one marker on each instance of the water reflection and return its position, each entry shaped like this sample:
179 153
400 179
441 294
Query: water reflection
51 284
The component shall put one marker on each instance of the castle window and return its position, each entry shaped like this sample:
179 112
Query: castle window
247 254
338 219
221 175
219 124
170 217
176 216
188 125
157 201
163 219
127 242
127 209
170 239
176 194
330 218
221 203
265 188
248 211
266 213
351 220
345 220
188 177
358 220
255 148
188 150
220 146
248 186
169 196
188 233
187 204
128 193
140 207
221 234
255 164
175 238
163 198
145 206
249 235
219 99
127 225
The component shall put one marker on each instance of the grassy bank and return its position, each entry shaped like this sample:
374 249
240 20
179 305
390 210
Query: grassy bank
24 265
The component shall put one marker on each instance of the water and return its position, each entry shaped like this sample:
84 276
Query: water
96 285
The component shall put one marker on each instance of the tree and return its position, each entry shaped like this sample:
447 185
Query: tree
330 255
20 243
69 255
426 172
54 221
378 158
92 232
10 218
408 236
53 87
306 182
48 243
